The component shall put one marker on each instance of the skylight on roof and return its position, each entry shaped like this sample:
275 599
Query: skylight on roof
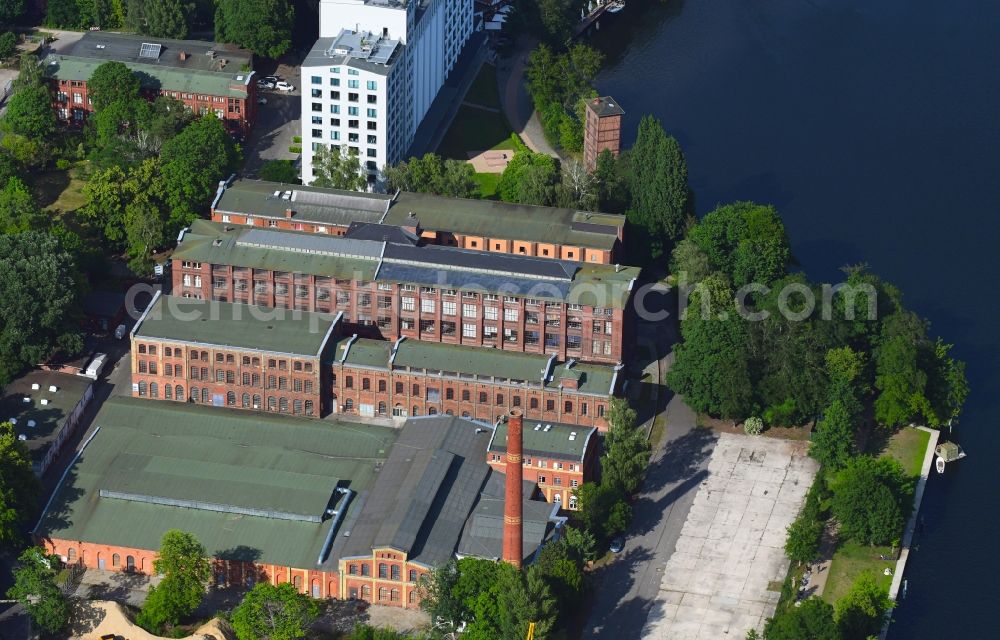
150 50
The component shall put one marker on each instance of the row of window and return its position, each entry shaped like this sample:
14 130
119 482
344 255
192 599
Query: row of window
385 571
434 395
227 358
247 401
541 464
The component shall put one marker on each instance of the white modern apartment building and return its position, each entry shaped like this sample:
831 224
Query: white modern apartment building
374 72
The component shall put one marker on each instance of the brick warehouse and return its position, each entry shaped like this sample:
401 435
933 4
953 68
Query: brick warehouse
481 225
280 361
207 77
389 289
312 510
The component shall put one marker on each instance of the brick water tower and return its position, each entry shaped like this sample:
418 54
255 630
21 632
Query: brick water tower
603 129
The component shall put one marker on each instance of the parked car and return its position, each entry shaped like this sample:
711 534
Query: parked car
284 86
265 84
617 545
121 331
271 79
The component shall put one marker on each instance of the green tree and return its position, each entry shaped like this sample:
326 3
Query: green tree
689 262
112 82
10 10
433 174
40 295
602 510
338 169
279 171
529 178
746 241
8 44
812 620
861 612
581 543
610 183
712 365
661 197
18 209
270 612
36 589
29 113
193 163
803 540
19 487
263 26
166 18
62 13
871 499
185 569
626 450
833 442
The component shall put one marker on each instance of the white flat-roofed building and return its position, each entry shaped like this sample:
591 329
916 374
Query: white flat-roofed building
403 49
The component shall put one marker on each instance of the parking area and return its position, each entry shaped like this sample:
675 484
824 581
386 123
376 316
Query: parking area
277 124
725 575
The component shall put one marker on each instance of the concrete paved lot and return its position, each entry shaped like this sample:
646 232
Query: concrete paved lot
277 123
731 547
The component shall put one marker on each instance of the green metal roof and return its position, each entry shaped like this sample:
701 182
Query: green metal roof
64 67
513 365
554 443
366 353
260 457
241 326
591 378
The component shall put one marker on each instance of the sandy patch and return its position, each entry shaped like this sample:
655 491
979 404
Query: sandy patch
93 620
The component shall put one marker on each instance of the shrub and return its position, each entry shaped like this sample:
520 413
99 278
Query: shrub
753 426
8 45
294 149
62 164
296 138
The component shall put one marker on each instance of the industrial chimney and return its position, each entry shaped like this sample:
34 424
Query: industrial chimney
513 536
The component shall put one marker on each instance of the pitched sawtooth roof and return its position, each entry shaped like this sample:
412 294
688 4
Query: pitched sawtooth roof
484 218
248 486
426 493
235 325
365 259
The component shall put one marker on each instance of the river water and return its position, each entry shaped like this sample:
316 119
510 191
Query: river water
874 127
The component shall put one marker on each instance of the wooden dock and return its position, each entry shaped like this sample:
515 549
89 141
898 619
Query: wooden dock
586 23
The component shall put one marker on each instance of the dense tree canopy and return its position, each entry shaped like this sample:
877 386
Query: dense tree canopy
529 178
112 82
273 612
18 488
262 26
36 589
813 620
433 174
185 568
861 612
40 295
18 209
626 450
871 499
29 109
338 168
193 163
745 241
661 197
558 83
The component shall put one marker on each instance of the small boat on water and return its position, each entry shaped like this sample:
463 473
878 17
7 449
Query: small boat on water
947 452
616 6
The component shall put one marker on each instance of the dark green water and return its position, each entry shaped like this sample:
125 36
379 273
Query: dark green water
874 127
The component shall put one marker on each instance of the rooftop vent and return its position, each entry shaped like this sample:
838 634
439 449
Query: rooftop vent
34 386
13 421
45 401
22 437
150 50
102 46
53 388
547 428
31 423
538 427
217 242
26 399
572 436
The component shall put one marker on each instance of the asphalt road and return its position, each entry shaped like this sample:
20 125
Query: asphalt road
630 583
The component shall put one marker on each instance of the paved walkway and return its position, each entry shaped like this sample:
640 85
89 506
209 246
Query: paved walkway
718 583
517 103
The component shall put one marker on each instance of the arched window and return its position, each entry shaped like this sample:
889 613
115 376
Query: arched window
533 403
246 401
154 390
465 414
416 411
398 411
366 384
465 395
515 400
230 359
381 408
567 407
194 355
194 394
348 405
71 555
142 389
297 406
500 399
129 563
204 356
383 570
283 405
142 348
297 583
309 407
381 386
412 575
413 596
220 375
204 395
272 382
246 361
366 592
152 367
316 589
365 569
116 560
383 593
152 349
168 392
231 398
179 392
219 358
230 377
399 387
167 351
432 411
449 394
394 595
449 412
256 401
168 370
349 382
482 397
394 571
272 403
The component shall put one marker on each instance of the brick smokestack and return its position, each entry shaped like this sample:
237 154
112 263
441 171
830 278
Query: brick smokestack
513 536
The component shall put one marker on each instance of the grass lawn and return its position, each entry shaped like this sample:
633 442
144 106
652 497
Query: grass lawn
907 446
60 190
483 89
475 130
487 185
849 561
